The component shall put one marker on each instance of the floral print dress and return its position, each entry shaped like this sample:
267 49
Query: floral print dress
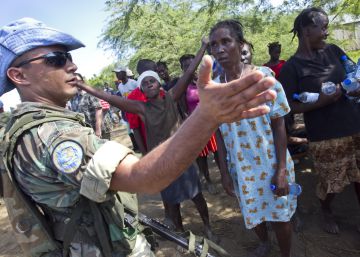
251 159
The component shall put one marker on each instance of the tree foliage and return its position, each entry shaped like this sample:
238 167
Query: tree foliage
106 75
164 29
156 31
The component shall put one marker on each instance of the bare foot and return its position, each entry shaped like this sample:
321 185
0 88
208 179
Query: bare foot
330 225
262 250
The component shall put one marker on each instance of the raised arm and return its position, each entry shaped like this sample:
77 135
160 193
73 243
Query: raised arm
219 103
119 102
181 85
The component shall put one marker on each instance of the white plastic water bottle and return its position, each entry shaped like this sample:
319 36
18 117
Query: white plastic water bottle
349 66
306 97
350 84
328 88
294 189
357 71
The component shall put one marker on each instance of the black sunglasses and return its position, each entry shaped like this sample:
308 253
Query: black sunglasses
54 59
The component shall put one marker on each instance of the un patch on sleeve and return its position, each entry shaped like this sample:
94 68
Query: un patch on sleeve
67 156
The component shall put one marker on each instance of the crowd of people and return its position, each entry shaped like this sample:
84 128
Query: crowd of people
174 122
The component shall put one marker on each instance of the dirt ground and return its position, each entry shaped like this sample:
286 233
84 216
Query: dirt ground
228 224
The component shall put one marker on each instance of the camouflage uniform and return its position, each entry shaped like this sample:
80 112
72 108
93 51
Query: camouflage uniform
87 105
4 117
57 162
107 125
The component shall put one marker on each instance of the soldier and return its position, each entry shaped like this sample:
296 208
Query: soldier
76 178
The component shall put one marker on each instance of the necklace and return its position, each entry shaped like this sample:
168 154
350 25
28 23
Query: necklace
242 70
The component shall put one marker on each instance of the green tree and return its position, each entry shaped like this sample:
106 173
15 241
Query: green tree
106 75
158 32
164 30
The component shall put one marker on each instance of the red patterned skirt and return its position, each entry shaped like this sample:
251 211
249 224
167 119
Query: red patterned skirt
210 146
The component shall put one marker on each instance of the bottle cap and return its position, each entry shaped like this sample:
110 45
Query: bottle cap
296 96
347 82
344 58
299 190
272 187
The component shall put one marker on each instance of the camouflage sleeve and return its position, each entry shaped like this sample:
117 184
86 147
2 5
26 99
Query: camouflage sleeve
97 176
94 102
57 161
80 150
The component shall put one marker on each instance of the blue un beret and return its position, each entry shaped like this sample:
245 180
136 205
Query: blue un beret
24 35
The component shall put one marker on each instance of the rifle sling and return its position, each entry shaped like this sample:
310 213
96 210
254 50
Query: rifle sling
72 226
205 248
192 242
100 229
217 248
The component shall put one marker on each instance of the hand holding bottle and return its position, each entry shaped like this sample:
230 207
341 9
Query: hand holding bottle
325 99
280 183
328 88
350 84
294 189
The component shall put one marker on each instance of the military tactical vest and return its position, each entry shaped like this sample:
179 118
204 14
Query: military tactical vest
32 229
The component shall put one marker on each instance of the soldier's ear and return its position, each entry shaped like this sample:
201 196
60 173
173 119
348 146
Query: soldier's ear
17 76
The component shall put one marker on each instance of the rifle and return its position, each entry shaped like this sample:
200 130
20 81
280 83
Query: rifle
165 232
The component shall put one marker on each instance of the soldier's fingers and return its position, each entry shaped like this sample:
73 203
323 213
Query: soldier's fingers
252 92
256 106
204 72
254 112
251 84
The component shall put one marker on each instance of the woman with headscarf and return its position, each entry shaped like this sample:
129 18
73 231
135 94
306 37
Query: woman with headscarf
161 117
333 121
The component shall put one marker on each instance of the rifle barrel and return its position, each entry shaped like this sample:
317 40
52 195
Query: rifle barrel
163 231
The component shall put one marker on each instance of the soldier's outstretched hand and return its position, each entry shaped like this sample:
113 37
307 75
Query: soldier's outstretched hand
239 99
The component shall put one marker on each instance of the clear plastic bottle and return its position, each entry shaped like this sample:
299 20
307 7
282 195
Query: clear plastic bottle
294 188
357 71
306 97
328 88
349 66
350 84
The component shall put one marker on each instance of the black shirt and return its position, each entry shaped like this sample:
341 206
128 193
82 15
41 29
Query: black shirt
335 120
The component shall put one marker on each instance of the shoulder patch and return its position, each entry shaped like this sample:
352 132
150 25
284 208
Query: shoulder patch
67 156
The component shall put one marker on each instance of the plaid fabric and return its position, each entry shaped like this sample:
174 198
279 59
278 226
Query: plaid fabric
210 146
87 105
107 124
105 105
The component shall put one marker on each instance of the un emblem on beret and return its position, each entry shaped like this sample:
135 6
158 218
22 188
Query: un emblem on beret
67 156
